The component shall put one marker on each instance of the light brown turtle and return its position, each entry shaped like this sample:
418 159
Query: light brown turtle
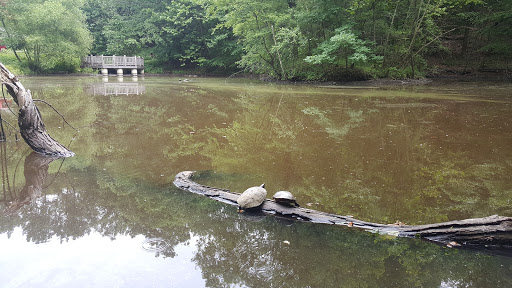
252 197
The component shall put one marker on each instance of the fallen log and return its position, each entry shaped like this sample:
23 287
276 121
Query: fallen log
493 233
30 121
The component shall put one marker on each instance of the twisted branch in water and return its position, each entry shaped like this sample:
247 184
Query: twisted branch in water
30 121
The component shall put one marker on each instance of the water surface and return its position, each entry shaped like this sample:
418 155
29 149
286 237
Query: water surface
110 216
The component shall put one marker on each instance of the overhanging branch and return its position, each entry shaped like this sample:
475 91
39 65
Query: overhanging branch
30 121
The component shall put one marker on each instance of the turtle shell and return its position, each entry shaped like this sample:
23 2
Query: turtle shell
252 197
285 197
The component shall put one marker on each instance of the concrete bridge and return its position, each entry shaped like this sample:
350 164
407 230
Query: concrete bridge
118 63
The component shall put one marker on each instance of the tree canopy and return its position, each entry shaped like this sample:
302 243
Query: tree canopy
287 40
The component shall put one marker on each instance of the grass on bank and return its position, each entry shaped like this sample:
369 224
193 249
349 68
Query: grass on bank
8 58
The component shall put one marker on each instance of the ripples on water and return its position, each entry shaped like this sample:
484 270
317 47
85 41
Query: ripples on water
155 245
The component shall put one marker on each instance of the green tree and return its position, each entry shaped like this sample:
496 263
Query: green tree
121 27
51 33
169 34
184 34
274 37
266 30
342 48
481 32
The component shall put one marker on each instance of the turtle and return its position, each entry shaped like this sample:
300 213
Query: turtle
285 198
252 197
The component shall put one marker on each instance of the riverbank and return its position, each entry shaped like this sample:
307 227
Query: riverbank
444 77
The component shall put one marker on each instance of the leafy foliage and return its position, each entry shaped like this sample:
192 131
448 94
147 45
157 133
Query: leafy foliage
52 34
170 34
287 40
342 48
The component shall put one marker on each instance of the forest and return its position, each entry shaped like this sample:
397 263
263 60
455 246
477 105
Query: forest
295 40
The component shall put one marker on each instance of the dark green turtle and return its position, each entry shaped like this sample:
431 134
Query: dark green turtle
286 198
252 197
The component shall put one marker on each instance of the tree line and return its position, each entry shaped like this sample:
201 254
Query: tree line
285 39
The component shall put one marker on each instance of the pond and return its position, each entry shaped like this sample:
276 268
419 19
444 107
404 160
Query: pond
111 217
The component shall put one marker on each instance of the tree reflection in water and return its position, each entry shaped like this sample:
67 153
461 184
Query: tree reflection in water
109 190
35 172
230 248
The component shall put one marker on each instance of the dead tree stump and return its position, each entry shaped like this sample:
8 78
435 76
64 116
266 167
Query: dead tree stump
31 124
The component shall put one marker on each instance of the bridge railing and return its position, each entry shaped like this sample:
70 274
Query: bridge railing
113 62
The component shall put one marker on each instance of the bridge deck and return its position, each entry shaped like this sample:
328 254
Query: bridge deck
117 62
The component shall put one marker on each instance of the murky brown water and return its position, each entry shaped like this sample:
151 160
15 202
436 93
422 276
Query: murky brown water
110 216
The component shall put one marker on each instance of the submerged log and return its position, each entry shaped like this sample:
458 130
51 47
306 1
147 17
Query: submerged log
492 233
31 124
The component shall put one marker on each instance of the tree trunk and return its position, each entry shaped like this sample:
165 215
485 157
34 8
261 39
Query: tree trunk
31 124
9 36
493 233
283 73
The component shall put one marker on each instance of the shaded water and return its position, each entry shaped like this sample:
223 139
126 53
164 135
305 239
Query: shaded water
110 216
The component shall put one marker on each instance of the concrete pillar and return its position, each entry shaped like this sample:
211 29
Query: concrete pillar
120 78
142 72
119 72
134 72
104 72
